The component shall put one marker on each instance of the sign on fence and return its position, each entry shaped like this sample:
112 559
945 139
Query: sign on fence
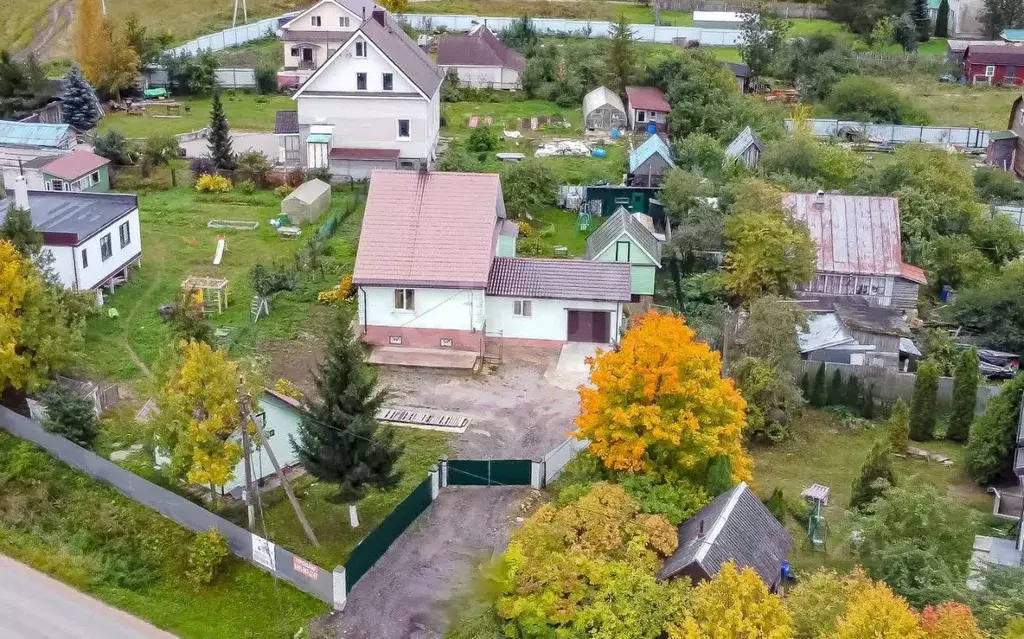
263 553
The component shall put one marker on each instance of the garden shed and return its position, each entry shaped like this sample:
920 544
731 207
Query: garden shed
308 202
746 148
603 110
649 162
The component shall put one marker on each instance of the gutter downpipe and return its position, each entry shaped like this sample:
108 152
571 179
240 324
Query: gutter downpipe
365 314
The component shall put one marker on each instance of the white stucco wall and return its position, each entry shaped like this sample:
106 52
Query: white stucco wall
68 262
549 319
330 15
442 308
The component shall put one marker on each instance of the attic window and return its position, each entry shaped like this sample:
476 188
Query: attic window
343 22
388 82
360 49
315 21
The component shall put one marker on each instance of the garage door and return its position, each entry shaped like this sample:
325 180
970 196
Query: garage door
589 326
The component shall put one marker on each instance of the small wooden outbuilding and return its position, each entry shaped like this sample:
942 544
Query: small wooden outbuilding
603 110
746 148
308 202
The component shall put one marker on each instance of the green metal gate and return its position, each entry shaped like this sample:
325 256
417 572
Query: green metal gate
490 472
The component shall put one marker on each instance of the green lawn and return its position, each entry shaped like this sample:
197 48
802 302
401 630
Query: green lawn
507 112
245 111
177 243
823 451
91 537
554 227
330 522
267 52
958 105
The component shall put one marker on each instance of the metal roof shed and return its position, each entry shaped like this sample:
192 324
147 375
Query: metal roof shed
53 136
308 202
603 110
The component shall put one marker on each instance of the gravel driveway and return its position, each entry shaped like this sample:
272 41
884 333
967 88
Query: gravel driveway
516 413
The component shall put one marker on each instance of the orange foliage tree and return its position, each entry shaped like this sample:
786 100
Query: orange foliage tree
659 404
950 620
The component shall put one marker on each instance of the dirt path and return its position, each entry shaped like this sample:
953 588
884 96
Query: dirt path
54 40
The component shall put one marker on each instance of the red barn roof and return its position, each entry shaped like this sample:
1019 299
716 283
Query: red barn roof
647 98
74 165
994 54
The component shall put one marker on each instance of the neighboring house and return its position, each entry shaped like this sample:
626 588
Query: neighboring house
25 142
1006 148
858 242
47 114
94 237
741 72
649 162
374 104
734 527
603 111
994 64
624 238
433 271
646 106
847 329
955 49
481 60
747 148
314 35
77 171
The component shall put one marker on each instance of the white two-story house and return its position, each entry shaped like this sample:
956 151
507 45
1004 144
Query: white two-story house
375 103
94 238
312 36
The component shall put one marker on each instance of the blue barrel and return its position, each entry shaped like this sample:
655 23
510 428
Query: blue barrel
615 133
652 128
599 153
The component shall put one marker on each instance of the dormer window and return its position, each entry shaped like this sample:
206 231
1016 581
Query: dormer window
360 49
315 21
343 22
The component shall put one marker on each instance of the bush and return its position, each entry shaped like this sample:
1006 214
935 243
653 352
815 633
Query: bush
528 186
70 415
266 80
288 389
898 425
852 396
776 505
719 475
115 147
906 33
836 390
876 475
202 166
159 150
996 186
868 410
993 435
205 557
188 321
676 500
819 393
868 99
283 191
213 184
922 404
965 391
252 166
320 173
342 291
450 90
482 140
248 187
266 281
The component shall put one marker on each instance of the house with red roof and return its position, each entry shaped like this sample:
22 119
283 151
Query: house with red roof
437 269
646 106
994 64
481 60
859 248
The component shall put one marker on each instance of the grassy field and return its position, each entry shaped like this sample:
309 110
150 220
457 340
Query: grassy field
253 55
823 451
91 537
958 105
178 244
245 111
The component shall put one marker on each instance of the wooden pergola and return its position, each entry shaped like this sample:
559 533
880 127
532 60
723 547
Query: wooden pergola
214 292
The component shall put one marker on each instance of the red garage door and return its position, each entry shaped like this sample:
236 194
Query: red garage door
589 326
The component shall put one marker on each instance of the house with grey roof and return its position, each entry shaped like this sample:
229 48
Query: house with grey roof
624 238
436 271
375 103
649 162
746 147
94 238
313 35
481 60
734 527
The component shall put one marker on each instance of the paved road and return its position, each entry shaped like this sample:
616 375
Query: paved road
35 606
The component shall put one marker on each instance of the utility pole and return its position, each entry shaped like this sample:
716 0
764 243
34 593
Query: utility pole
277 469
247 463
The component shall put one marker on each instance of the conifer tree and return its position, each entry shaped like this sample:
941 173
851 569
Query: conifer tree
852 392
965 390
898 425
719 475
79 107
876 475
868 410
339 439
805 386
819 392
922 404
621 64
922 19
836 395
220 137
942 20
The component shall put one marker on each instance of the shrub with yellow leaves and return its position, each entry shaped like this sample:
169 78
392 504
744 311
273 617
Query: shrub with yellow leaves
208 183
288 389
342 291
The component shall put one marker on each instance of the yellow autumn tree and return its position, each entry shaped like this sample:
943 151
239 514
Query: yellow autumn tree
735 604
659 404
92 41
951 620
875 612
818 600
199 412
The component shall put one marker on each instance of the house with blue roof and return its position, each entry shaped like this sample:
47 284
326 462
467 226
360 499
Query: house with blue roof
649 162
58 137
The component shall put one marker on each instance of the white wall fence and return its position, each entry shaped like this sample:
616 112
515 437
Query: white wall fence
227 78
229 37
581 28
900 134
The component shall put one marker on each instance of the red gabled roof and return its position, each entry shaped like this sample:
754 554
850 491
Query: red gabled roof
479 48
994 54
425 228
647 98
74 165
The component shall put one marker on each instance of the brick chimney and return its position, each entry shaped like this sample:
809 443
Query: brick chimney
378 15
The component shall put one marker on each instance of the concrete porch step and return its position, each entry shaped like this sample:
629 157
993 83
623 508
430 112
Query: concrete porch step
425 357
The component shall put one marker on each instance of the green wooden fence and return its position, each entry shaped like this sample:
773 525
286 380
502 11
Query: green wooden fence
489 472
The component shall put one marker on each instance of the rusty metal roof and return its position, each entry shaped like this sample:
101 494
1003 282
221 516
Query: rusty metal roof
855 234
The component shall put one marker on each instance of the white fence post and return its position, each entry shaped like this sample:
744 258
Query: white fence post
340 593
537 474
435 482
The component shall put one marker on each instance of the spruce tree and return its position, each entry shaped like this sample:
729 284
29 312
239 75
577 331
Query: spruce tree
835 389
818 392
876 475
868 410
719 475
898 425
776 505
965 391
79 107
339 439
70 415
852 392
922 404
220 137
922 19
621 65
942 20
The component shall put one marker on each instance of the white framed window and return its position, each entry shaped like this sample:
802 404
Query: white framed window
403 130
360 49
405 299
343 21
315 21
106 249
387 81
57 185
990 71
522 308
126 234
360 82
94 178
295 52
641 116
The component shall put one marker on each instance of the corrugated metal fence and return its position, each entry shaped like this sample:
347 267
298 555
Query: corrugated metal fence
900 134
229 37
226 77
